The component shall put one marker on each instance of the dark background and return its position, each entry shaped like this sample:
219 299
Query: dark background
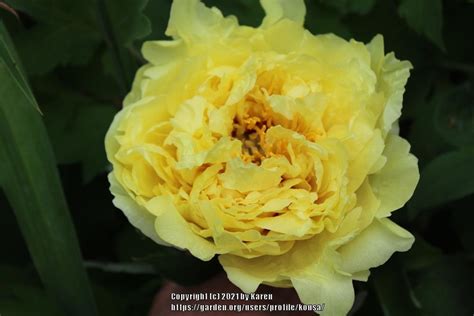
80 57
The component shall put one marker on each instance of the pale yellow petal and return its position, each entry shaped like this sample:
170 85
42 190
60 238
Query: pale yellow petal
173 229
359 168
311 270
392 79
135 93
163 52
287 223
374 246
246 177
192 20
277 10
323 284
395 183
137 215
377 53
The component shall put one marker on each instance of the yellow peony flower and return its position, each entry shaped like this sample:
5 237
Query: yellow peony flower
273 148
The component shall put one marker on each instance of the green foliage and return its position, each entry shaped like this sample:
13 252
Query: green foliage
425 17
77 125
446 287
397 298
454 116
170 263
31 184
65 33
352 6
80 58
448 177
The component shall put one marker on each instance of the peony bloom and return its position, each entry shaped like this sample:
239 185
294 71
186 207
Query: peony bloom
273 148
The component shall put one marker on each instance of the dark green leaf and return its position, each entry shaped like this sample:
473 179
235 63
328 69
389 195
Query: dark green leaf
249 12
462 222
173 264
182 267
454 116
33 189
398 37
124 267
12 65
132 245
11 241
122 22
326 20
415 99
158 12
127 20
55 45
69 31
448 177
426 142
425 17
446 288
66 33
421 255
393 290
352 6
76 125
26 300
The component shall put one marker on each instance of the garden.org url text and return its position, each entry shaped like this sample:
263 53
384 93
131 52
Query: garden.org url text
200 307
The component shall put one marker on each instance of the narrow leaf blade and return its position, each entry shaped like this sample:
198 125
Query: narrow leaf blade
31 184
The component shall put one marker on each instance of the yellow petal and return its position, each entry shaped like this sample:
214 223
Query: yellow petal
393 77
377 53
321 283
395 183
311 270
163 52
277 10
374 246
361 165
286 223
246 177
135 93
192 20
175 230
137 215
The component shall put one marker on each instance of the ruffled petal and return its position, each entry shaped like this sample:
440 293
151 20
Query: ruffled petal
395 183
135 93
191 20
247 177
137 215
163 52
374 246
321 283
312 271
393 77
277 10
173 228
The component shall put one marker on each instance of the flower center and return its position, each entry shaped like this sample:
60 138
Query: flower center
256 117
250 130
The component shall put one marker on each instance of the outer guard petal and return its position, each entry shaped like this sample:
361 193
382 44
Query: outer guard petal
393 78
174 229
312 271
137 215
374 246
323 284
395 183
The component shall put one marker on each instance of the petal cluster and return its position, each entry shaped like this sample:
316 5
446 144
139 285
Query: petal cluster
271 147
